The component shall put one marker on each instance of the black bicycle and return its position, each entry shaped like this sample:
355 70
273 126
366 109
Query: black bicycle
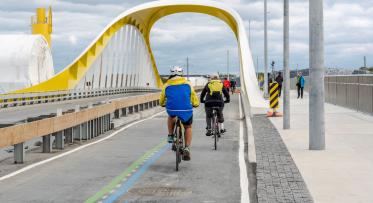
215 126
178 144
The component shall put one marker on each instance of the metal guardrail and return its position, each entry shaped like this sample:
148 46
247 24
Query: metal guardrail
14 100
81 123
76 124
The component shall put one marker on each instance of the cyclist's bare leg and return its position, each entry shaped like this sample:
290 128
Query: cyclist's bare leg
188 135
170 124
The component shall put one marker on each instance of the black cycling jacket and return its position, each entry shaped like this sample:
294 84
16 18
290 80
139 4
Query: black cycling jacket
215 100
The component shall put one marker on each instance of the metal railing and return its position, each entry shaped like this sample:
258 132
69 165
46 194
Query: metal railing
354 92
14 100
350 91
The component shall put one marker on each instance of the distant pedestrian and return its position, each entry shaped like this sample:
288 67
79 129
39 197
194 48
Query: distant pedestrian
279 79
300 84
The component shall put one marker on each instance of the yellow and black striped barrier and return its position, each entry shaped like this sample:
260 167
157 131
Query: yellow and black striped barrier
273 100
273 95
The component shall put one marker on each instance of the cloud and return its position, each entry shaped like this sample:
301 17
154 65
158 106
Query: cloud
348 33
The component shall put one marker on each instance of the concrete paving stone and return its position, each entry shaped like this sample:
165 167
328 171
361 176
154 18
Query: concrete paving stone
276 169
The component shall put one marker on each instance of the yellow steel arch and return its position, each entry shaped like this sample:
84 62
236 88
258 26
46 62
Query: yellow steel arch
144 17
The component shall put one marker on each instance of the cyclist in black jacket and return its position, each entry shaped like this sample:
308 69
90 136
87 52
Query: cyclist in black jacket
212 96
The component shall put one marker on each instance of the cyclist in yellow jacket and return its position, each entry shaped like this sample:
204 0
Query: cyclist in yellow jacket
179 98
212 96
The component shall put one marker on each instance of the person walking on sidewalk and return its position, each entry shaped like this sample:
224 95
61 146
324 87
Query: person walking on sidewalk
300 85
279 79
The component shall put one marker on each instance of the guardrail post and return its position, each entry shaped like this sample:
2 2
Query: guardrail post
59 140
91 129
116 114
109 122
136 108
97 127
47 144
68 135
19 153
77 130
77 133
84 130
59 136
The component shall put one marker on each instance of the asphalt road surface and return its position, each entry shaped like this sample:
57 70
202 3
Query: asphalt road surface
134 164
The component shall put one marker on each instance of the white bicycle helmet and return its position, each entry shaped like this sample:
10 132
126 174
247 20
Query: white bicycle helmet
176 70
214 76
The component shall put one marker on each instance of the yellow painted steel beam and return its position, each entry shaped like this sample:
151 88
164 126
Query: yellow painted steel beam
42 25
143 17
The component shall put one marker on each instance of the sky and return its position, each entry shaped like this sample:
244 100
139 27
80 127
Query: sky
205 39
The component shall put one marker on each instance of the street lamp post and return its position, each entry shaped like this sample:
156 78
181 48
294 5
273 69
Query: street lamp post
316 103
286 118
265 52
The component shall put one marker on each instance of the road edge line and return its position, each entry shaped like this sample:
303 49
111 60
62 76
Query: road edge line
244 180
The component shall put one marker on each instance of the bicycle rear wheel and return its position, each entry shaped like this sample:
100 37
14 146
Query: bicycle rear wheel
216 131
178 145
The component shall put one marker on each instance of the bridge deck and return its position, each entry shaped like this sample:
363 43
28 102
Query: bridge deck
135 164
342 172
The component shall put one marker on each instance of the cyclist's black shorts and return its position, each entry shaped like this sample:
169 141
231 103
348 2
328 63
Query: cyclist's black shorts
188 122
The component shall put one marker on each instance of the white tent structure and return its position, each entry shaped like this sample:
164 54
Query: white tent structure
25 60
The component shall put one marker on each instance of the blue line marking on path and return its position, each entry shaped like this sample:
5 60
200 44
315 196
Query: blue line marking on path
123 189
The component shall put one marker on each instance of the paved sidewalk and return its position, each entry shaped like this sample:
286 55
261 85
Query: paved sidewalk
278 178
344 171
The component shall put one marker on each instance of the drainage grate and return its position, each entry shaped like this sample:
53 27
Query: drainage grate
160 191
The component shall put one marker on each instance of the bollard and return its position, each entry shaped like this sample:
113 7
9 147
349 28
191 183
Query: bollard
47 144
19 153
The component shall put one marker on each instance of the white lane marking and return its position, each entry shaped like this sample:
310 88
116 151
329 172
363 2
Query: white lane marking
76 149
244 181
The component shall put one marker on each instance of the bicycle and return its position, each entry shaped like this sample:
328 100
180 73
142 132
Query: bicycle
215 126
178 143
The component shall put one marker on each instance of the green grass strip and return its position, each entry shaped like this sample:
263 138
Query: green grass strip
118 180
